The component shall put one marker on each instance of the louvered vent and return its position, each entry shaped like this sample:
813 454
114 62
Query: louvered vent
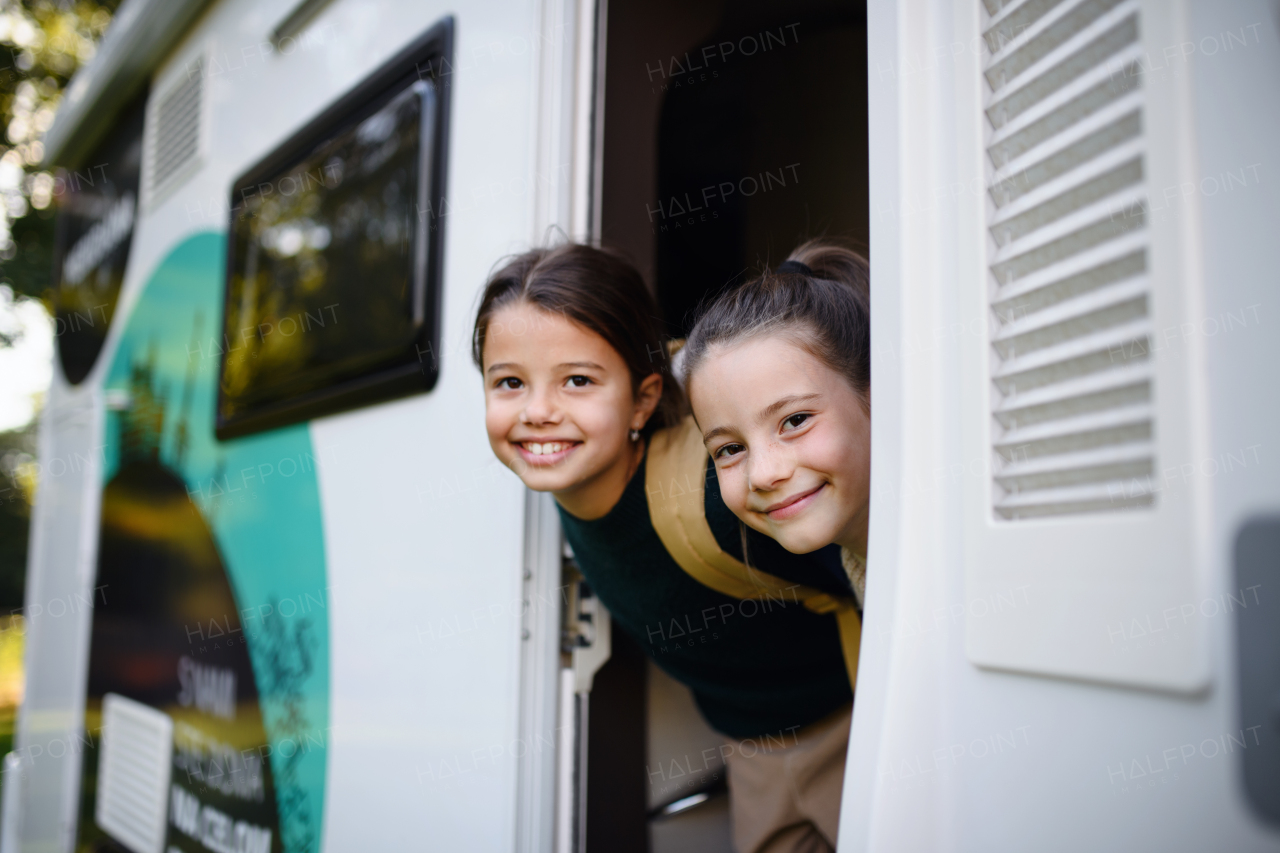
173 141
133 773
1070 360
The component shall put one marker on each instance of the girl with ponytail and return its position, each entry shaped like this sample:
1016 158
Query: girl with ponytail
580 402
778 374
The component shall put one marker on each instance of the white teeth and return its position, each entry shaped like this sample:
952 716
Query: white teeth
544 449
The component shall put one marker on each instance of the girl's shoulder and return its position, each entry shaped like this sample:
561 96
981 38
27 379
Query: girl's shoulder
675 464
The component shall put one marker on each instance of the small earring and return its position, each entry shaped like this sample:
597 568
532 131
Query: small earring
635 435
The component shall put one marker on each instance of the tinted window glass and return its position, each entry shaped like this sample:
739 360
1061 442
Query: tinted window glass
96 211
333 263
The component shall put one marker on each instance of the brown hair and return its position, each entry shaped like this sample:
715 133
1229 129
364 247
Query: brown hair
598 290
829 313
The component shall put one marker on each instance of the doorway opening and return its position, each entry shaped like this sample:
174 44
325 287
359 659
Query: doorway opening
732 133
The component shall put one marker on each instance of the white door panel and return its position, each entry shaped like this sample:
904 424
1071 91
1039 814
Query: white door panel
947 754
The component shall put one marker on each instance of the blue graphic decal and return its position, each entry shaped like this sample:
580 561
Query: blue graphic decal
260 498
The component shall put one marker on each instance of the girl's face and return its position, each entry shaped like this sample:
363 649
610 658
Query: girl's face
559 407
791 442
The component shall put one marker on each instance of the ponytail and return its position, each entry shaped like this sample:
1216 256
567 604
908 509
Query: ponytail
820 296
833 262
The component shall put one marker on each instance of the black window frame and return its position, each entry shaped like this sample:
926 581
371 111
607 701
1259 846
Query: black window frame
430 55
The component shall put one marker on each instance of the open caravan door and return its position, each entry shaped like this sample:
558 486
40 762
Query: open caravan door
1072 605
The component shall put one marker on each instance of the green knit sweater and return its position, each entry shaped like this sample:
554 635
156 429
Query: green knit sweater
755 667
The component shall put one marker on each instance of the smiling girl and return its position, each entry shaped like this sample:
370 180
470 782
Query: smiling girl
779 379
578 394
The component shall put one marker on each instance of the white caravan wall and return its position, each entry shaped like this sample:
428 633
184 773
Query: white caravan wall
424 530
945 755
423 526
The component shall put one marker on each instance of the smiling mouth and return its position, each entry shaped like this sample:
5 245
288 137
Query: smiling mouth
794 505
544 453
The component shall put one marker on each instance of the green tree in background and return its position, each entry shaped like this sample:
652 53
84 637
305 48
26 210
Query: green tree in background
17 487
42 45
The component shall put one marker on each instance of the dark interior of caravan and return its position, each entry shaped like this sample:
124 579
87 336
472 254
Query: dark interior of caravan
731 133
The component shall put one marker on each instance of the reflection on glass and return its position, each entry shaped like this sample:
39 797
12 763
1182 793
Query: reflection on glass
327 272
96 211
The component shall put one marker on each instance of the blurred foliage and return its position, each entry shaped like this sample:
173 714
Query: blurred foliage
12 637
17 488
42 45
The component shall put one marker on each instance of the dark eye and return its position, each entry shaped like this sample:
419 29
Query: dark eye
795 421
509 382
579 381
729 450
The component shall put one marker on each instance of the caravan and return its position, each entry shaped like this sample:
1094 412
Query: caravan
281 597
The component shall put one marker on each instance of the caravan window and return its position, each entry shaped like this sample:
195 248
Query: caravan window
334 260
96 210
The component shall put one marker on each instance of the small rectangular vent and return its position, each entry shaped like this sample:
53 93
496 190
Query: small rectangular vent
173 132
133 773
1072 414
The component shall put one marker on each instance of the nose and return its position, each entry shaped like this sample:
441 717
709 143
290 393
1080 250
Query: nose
540 408
768 467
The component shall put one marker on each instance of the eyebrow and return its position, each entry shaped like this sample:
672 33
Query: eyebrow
773 408
714 433
768 412
508 365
